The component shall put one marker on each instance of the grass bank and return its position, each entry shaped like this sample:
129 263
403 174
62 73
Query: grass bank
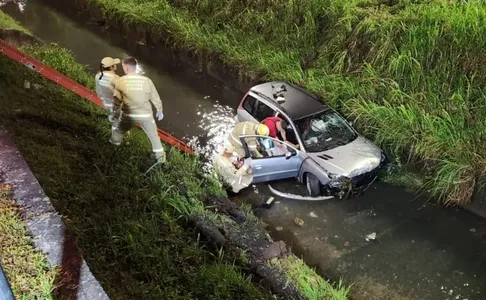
131 228
410 72
26 269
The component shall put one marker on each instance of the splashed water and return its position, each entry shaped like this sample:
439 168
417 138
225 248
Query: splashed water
217 121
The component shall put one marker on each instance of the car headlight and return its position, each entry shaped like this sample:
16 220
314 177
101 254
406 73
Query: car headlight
336 181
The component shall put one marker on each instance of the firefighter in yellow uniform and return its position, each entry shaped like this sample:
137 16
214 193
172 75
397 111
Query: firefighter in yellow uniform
105 84
234 171
247 128
131 104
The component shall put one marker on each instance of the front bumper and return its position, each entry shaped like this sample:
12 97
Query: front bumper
345 187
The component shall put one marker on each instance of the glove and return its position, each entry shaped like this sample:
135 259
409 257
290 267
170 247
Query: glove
159 115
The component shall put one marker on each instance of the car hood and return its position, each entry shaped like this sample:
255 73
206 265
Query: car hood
350 160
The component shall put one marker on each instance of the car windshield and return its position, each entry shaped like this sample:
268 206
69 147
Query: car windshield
324 131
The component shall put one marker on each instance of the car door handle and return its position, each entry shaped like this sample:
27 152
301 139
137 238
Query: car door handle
258 167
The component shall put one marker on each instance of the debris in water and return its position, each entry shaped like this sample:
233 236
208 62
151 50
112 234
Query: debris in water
346 244
312 214
371 237
299 222
472 229
298 197
206 97
279 228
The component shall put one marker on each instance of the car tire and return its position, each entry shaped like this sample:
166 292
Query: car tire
313 185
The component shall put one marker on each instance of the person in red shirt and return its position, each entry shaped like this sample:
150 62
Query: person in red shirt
277 125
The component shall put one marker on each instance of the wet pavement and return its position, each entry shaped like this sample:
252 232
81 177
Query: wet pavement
420 251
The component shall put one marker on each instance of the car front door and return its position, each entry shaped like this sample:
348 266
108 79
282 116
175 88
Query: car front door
273 160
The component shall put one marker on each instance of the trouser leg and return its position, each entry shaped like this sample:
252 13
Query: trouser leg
150 129
120 129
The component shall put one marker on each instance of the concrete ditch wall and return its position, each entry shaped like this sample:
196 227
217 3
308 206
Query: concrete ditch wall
46 227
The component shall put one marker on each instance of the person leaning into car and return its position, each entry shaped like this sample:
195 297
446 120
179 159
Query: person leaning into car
276 126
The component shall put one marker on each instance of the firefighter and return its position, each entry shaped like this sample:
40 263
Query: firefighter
233 170
105 84
131 104
247 128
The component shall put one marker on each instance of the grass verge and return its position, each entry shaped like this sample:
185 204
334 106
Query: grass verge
410 72
26 269
129 226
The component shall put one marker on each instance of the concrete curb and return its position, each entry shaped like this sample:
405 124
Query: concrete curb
46 227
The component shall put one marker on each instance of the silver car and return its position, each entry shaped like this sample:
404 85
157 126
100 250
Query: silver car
331 156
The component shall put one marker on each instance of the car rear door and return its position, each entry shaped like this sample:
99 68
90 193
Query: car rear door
276 163
253 109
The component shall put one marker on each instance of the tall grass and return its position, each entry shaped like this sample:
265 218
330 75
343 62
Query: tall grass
412 71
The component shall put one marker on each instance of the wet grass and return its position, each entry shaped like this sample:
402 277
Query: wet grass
26 269
410 72
307 280
130 226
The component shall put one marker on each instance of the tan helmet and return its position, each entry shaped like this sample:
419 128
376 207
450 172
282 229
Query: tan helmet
263 130
229 148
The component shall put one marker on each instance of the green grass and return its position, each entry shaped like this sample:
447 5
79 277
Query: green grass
307 280
6 22
26 269
130 227
411 72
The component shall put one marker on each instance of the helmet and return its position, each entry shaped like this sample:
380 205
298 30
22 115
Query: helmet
229 148
263 130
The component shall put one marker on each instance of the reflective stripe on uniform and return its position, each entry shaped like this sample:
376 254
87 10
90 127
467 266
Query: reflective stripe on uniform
158 150
244 132
139 115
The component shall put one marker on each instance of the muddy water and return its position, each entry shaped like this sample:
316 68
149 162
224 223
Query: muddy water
419 251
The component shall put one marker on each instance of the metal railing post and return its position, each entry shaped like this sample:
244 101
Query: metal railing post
5 291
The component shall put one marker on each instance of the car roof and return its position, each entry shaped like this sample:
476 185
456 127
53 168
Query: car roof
298 102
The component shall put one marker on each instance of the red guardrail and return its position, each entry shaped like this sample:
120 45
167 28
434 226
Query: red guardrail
73 86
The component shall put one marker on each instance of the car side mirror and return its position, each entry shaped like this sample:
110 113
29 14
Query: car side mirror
290 154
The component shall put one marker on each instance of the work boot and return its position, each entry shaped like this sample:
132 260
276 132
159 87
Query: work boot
162 158
116 144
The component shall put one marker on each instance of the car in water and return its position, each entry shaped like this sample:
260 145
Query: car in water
330 156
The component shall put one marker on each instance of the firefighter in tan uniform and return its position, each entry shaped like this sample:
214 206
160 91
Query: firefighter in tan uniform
105 84
234 171
247 128
131 103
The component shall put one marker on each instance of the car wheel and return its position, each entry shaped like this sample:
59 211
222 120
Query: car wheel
313 185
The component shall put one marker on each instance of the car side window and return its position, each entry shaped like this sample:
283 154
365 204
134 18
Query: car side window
249 104
261 147
263 111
